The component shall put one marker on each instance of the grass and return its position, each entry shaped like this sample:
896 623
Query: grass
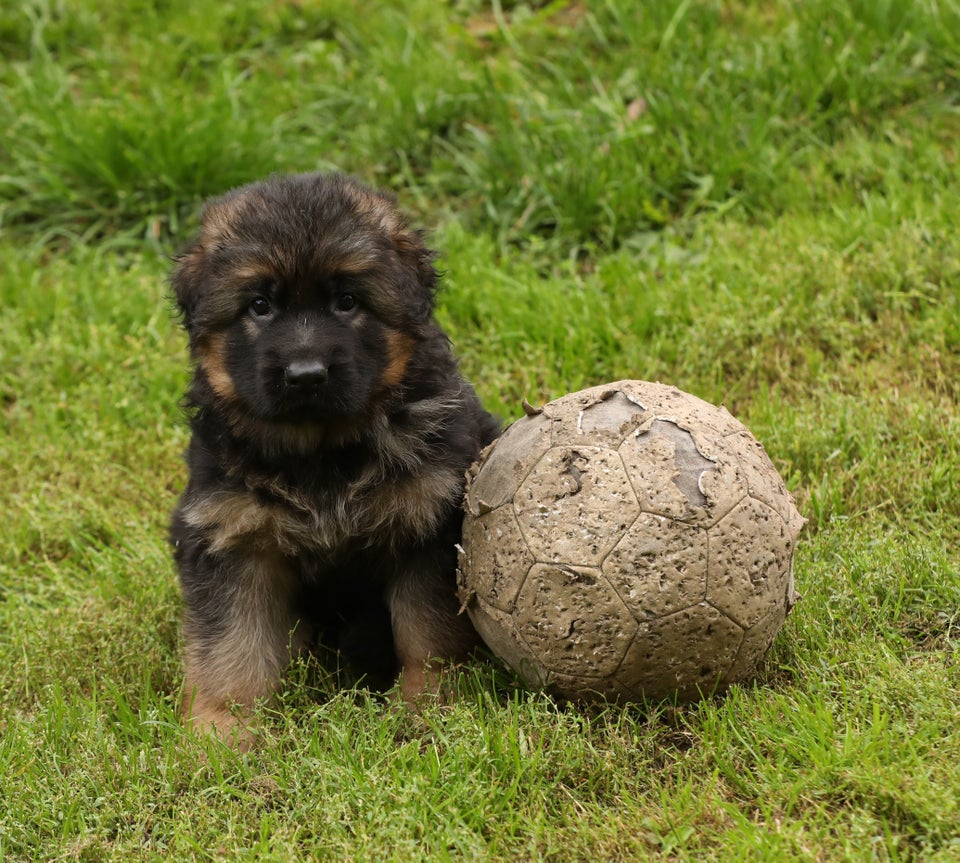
754 201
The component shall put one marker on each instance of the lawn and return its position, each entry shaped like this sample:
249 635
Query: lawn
754 200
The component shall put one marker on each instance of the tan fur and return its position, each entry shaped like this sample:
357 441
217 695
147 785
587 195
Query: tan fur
417 627
219 217
357 262
381 212
251 272
400 347
243 664
211 356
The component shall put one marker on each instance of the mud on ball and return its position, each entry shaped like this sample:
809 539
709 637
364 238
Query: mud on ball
628 541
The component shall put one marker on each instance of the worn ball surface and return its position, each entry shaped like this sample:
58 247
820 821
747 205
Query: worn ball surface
627 541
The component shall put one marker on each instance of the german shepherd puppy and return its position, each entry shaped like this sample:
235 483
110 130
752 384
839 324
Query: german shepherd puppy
331 430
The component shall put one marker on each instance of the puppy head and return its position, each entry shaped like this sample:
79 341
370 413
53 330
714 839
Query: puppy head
304 297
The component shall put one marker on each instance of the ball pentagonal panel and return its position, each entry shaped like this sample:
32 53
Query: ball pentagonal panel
506 556
611 418
575 504
572 620
756 642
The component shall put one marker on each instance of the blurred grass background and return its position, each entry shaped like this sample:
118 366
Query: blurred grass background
754 200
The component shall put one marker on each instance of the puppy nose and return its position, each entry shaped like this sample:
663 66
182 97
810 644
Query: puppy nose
305 373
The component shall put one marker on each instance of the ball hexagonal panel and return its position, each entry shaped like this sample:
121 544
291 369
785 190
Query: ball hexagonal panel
605 414
575 504
685 409
749 562
659 566
763 481
572 620
673 476
502 466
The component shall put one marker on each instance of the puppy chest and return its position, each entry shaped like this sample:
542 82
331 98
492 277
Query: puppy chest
292 520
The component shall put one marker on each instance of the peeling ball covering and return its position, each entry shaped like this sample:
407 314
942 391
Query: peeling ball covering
628 541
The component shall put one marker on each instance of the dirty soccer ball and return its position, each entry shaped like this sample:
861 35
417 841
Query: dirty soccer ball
628 541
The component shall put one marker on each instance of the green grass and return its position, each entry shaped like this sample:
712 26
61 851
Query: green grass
755 201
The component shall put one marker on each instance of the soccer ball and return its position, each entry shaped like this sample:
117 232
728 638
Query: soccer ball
628 541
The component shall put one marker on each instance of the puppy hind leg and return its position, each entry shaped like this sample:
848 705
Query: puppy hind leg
238 641
429 632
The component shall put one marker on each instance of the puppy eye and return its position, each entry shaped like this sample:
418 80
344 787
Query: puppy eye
345 303
260 306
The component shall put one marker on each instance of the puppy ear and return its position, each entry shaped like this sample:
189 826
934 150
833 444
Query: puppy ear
187 281
419 277
191 272
418 261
